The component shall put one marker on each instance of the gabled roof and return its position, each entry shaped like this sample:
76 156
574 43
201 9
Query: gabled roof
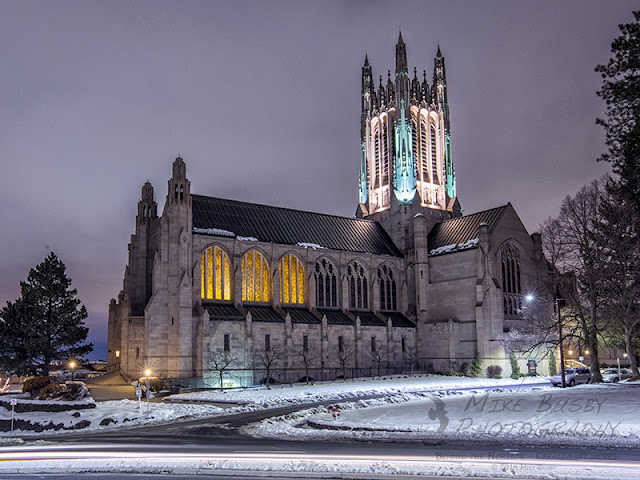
260 313
461 233
231 218
335 317
369 319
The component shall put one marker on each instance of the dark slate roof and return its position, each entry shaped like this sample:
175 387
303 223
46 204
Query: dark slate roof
264 314
399 320
369 319
302 315
462 231
290 227
218 311
335 317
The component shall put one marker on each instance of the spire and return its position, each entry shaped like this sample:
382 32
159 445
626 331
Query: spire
439 54
400 41
366 60
401 57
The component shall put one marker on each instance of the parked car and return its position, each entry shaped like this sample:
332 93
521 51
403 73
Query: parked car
610 375
573 376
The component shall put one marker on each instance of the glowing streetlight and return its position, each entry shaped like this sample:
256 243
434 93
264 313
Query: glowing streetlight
570 352
72 367
147 372
586 352
529 298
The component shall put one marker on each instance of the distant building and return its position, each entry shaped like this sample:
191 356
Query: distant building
409 284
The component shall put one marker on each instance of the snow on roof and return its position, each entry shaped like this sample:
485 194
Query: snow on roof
214 231
315 246
455 247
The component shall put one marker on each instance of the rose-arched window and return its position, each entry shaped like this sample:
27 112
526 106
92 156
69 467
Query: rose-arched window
255 277
511 281
387 288
326 284
291 280
215 274
358 286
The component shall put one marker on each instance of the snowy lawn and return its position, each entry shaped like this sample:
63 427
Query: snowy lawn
285 394
115 414
604 414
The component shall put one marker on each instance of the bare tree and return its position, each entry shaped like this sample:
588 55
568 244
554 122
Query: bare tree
267 357
582 255
344 353
221 362
309 354
378 356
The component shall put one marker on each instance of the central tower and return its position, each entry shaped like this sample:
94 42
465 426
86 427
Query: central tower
406 137
405 164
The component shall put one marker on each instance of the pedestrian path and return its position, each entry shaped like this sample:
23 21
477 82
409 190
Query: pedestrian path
110 386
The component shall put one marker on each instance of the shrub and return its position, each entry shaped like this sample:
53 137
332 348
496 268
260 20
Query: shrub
33 385
157 384
75 391
515 368
475 369
494 371
52 391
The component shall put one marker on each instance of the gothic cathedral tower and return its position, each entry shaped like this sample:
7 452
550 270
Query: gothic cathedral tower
406 166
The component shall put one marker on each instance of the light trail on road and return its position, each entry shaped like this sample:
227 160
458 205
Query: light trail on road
100 458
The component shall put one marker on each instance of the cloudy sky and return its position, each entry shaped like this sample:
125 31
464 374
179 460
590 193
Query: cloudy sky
261 99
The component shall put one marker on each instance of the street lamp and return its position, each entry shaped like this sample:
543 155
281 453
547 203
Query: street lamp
147 374
72 367
564 378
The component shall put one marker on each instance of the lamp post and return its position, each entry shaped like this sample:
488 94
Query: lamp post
564 379
72 367
147 373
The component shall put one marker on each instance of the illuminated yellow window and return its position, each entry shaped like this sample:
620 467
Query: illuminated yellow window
291 280
255 277
215 274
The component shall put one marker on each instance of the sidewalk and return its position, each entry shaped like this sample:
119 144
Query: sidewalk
110 386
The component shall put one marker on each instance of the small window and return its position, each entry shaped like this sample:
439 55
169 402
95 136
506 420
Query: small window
404 344
373 344
227 345
340 344
117 353
305 343
137 352
267 343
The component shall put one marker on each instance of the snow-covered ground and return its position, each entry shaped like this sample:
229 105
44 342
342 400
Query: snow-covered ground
598 415
115 414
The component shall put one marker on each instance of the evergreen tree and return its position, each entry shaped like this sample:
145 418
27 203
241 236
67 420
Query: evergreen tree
621 92
46 323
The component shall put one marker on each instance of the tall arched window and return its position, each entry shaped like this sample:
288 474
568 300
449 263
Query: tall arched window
291 280
511 285
215 275
358 287
326 284
385 153
434 152
377 161
387 289
255 277
424 156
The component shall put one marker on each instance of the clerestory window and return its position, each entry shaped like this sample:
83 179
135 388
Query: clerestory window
326 284
255 277
215 274
291 280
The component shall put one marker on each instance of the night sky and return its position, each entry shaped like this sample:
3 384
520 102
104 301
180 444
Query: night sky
262 101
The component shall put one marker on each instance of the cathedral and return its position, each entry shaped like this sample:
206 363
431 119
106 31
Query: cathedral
221 292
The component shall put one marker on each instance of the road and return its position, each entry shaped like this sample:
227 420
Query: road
217 440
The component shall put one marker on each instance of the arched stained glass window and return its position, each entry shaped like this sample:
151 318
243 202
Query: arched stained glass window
511 281
358 287
387 281
255 277
326 284
291 280
215 274
424 158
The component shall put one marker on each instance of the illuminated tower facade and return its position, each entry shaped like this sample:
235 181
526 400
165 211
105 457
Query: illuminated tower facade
405 138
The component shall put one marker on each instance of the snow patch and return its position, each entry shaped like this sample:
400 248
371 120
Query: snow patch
315 246
214 231
455 247
247 239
